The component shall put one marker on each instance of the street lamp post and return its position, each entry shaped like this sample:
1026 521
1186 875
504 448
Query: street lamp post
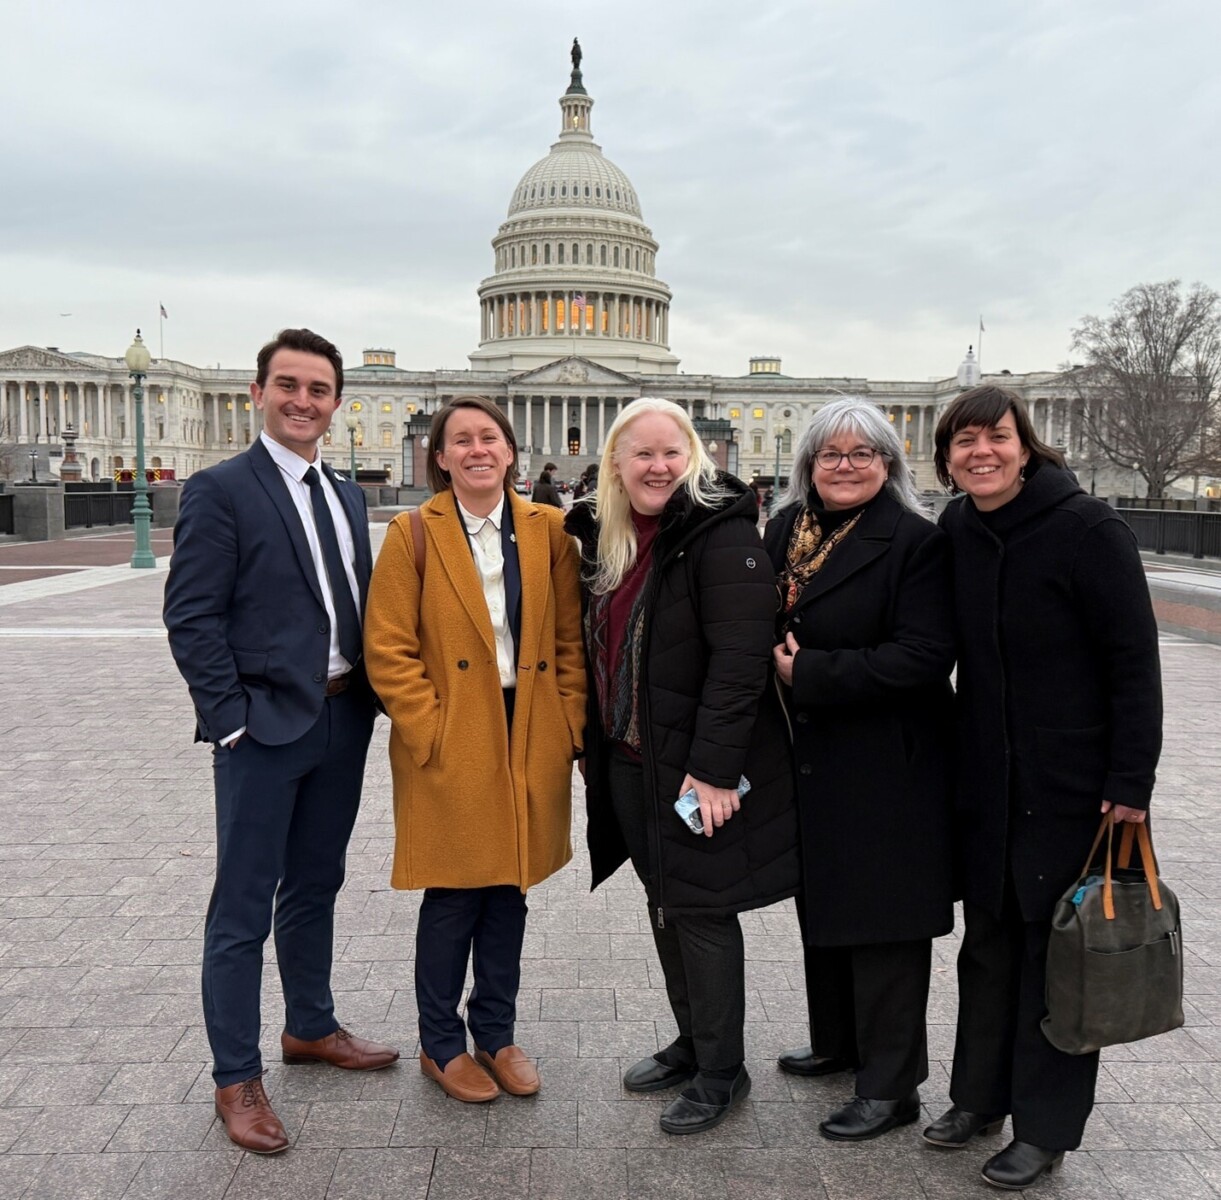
138 359
775 479
34 465
353 423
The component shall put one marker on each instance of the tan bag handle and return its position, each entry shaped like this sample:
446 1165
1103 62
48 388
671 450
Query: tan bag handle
418 544
1141 834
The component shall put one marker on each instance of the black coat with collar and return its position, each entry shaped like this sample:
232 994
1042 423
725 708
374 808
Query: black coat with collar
707 708
871 713
243 607
1059 685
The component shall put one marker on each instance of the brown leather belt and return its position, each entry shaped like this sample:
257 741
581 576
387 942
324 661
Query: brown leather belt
338 684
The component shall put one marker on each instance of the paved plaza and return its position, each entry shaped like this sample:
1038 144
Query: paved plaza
106 857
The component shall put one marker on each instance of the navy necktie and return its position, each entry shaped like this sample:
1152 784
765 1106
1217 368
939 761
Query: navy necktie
341 592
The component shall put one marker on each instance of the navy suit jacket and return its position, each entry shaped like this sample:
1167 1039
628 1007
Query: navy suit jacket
246 620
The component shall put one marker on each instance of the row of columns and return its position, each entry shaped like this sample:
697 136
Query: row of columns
531 417
572 313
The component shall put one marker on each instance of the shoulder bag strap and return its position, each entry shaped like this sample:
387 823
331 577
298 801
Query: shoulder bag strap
418 543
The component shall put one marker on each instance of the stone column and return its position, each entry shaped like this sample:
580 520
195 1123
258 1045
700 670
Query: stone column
584 435
546 424
509 412
528 432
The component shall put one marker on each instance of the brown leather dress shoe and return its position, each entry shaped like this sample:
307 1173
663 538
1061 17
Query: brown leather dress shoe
461 1078
249 1119
511 1069
340 1049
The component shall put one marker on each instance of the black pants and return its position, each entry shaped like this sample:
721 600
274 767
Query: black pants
867 1005
702 956
1002 1061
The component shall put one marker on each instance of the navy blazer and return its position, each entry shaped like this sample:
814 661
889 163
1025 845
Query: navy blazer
243 608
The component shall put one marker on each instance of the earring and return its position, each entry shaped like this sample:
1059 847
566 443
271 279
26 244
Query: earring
1022 474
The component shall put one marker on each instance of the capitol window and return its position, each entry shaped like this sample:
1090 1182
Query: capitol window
589 253
587 191
576 253
547 254
559 250
602 254
616 256
563 189
598 191
757 413
756 441
735 414
553 191
534 253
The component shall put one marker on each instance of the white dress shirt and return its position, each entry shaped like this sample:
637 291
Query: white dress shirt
490 563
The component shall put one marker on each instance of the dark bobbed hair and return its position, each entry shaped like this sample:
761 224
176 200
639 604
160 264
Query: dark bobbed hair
439 480
308 342
986 406
545 477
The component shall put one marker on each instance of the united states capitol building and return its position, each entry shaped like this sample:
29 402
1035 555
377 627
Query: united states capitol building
572 324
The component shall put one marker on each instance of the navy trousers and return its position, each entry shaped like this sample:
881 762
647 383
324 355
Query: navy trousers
284 815
485 926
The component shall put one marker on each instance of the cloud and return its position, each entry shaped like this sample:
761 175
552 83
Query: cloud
848 184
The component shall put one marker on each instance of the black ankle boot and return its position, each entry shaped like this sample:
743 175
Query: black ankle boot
1019 1165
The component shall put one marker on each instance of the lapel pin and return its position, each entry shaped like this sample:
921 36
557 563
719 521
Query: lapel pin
513 537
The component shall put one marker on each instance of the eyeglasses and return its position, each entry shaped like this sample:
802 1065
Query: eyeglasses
829 460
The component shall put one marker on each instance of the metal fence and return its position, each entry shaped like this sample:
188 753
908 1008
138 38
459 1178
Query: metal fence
1208 504
84 510
1170 531
7 520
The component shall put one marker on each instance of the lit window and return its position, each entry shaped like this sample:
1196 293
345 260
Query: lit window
735 414
756 442
357 406
387 438
387 406
757 413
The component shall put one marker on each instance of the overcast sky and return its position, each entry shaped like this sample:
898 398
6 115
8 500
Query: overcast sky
846 183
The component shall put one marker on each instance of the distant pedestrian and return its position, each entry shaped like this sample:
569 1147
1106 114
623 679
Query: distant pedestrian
545 491
588 483
263 607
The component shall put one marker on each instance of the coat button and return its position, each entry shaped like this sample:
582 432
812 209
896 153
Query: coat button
803 719
806 769
542 666
462 664
323 629
796 621
318 677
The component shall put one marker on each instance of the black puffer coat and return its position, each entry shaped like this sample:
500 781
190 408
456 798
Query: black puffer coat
707 708
1059 686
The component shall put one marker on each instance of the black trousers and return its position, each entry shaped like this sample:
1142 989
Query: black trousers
867 1005
1002 1061
702 956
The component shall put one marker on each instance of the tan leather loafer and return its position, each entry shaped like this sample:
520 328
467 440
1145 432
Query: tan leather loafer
511 1069
461 1078
249 1119
340 1049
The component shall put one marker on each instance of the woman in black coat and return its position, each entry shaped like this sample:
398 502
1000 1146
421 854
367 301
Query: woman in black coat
679 610
1060 715
867 649
545 491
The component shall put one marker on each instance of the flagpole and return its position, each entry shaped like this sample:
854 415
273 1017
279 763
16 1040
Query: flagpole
161 333
981 347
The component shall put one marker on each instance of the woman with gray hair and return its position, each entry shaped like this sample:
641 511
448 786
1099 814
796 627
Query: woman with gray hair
865 645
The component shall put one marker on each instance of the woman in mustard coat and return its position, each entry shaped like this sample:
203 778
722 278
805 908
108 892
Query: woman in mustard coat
473 644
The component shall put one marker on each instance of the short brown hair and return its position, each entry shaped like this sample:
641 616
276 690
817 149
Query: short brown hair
439 480
986 406
308 342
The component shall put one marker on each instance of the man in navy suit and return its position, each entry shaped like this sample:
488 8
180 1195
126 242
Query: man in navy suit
263 606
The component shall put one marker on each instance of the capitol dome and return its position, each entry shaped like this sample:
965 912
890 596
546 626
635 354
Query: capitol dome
575 264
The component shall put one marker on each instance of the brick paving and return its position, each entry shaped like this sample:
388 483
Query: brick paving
105 866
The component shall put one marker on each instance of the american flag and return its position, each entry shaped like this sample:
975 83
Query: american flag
578 300
164 315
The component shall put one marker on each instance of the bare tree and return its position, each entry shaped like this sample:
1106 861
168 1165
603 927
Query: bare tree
1149 381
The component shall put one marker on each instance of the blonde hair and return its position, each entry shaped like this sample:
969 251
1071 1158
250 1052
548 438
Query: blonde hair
613 510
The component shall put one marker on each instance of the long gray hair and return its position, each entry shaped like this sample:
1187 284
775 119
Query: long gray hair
862 419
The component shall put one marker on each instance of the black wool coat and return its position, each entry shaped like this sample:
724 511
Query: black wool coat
707 707
1059 686
871 711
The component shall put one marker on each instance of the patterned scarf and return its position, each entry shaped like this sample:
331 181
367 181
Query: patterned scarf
618 683
807 552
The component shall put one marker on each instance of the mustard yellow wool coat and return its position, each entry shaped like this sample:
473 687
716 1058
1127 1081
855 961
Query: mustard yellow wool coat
472 809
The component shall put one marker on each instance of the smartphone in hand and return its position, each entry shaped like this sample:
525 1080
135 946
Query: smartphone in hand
688 806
